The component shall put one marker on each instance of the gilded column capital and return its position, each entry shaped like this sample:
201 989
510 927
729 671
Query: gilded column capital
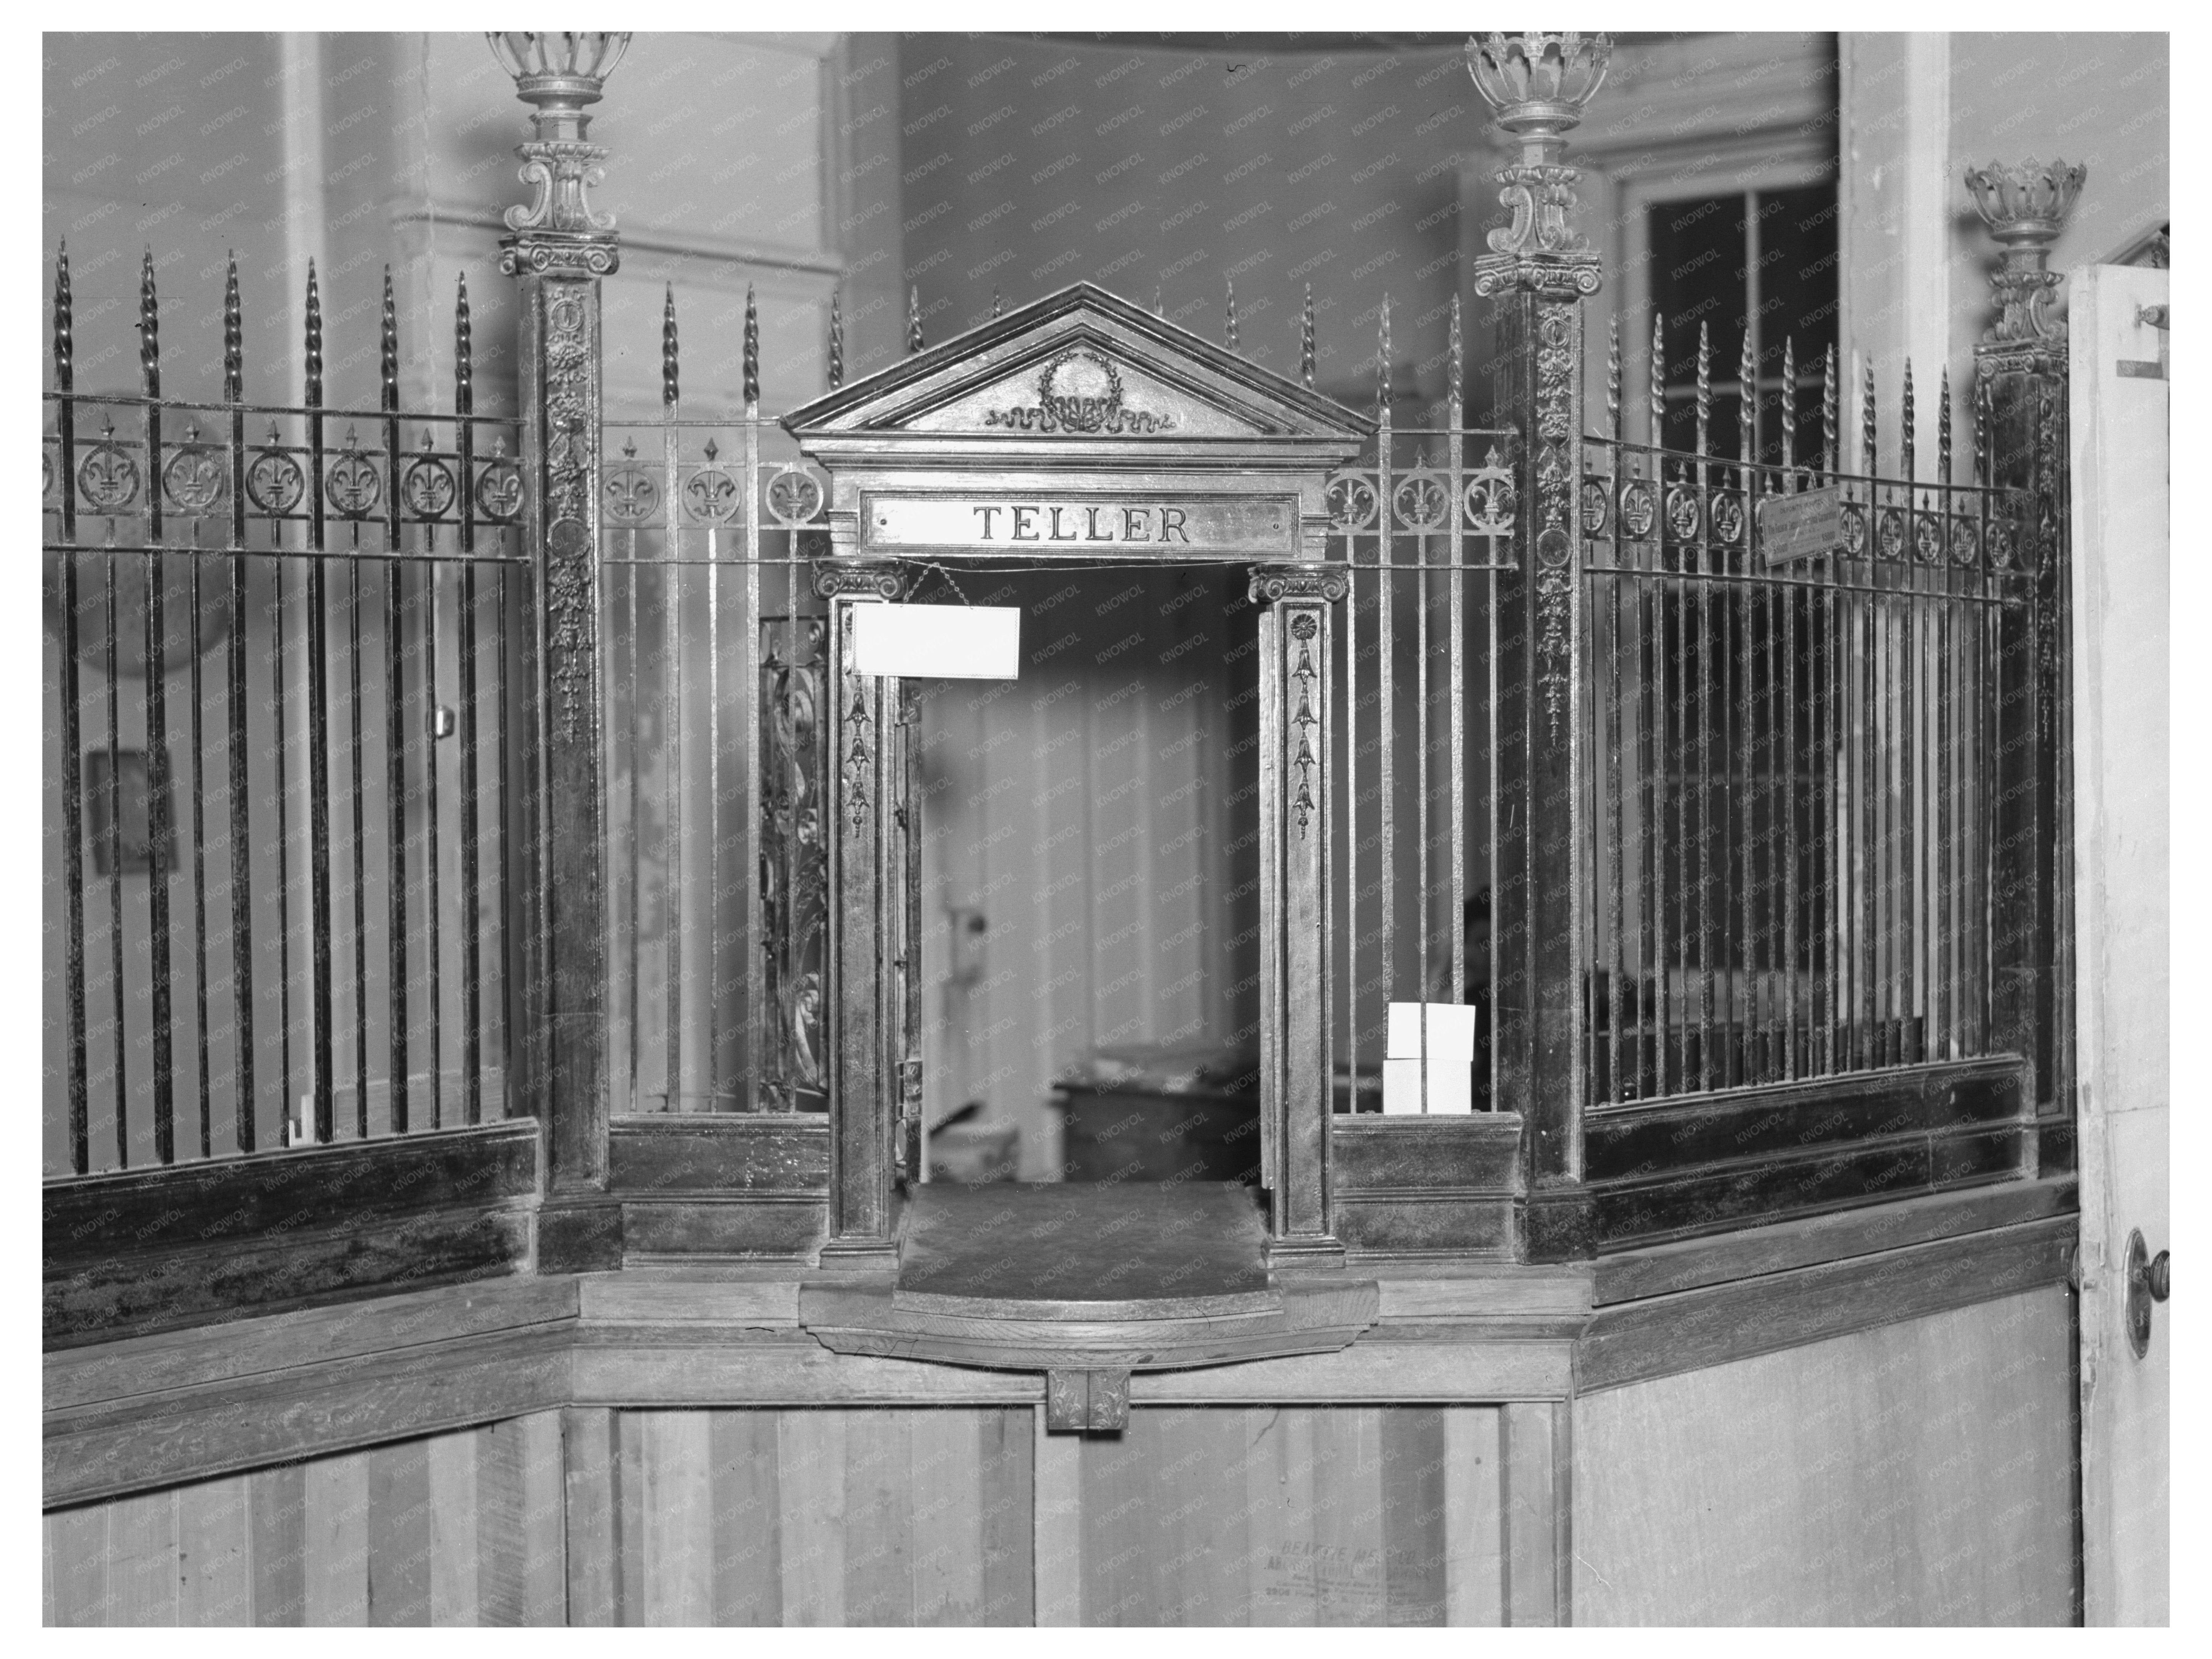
2024 207
1271 582
557 75
1538 84
874 578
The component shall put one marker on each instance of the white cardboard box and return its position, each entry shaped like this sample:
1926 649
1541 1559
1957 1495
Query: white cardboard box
1451 1086
1451 1033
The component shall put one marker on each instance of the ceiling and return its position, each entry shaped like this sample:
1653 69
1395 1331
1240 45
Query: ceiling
1194 41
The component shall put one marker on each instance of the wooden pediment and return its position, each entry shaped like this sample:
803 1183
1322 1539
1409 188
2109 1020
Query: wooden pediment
1081 373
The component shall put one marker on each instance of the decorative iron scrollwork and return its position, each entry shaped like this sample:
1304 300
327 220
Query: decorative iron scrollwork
1596 505
1420 503
1682 511
632 494
1491 498
1351 504
428 488
1965 540
795 868
499 486
1927 537
712 493
275 481
107 478
1890 535
352 484
1639 510
1855 530
1727 514
193 478
794 496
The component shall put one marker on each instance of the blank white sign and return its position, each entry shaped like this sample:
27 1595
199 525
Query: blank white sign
1450 1031
938 641
1451 1086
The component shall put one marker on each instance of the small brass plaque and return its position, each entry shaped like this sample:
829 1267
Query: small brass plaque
1084 525
1805 527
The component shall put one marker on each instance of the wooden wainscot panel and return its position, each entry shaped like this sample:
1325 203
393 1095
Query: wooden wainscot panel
720 1154
1410 1186
157 1249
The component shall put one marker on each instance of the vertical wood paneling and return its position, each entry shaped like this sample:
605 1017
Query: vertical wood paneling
592 1541
456 1574
945 1483
76 1549
142 1559
1348 1515
811 1513
1917 1474
878 1524
399 1534
277 1518
1278 1508
1006 1500
629 1475
677 1537
1530 1593
1413 1516
1475 1581
521 1555
336 1555
1057 1462
215 1551
748 1587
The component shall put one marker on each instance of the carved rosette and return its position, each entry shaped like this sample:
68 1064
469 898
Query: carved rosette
1538 83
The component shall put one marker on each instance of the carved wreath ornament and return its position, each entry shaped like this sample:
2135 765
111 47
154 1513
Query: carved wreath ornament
1079 392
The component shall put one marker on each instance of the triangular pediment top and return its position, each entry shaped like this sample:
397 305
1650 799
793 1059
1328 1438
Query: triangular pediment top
1080 365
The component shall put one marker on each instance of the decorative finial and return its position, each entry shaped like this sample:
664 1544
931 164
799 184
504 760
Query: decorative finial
670 382
1456 354
1159 301
836 338
64 326
1906 425
752 354
914 342
1831 432
1943 428
1869 455
1655 383
149 329
1382 358
1538 84
388 344
558 75
464 356
1789 401
1981 428
233 337
1306 341
314 340
2025 208
1612 367
1746 405
998 306
1228 330
1704 389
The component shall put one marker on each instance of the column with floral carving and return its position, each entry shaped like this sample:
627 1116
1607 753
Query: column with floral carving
1536 274
2020 366
867 837
558 249
1298 605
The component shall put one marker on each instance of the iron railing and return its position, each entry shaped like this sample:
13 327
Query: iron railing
282 719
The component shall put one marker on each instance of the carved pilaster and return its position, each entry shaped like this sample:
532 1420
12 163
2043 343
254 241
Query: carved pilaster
1537 273
2020 372
1297 674
863 999
558 252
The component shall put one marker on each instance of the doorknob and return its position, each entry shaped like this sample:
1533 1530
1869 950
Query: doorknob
2150 1278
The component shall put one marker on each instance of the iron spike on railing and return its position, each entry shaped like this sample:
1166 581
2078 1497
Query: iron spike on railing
1612 368
314 386
1455 354
1906 427
670 383
1306 338
464 368
1159 301
1229 327
1383 361
64 326
752 355
388 344
149 330
1832 437
1943 427
1981 395
1789 402
233 337
1868 453
1704 390
914 342
836 338
1747 412
1656 385
997 305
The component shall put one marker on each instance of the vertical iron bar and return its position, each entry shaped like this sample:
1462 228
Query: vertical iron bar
1454 418
115 850
241 884
1702 549
319 809
1659 769
749 957
395 730
1908 708
1617 998
465 669
160 830
1386 555
1785 602
196 687
70 692
672 738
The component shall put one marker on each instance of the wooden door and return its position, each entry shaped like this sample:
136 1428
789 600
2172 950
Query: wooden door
2120 473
